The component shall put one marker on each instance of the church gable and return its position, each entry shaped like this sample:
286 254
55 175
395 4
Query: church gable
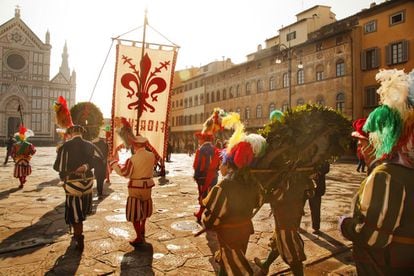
15 31
60 79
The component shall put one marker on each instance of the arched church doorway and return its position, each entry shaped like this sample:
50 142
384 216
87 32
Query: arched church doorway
12 125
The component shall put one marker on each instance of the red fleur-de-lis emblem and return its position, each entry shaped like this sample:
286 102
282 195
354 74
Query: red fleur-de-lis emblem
143 86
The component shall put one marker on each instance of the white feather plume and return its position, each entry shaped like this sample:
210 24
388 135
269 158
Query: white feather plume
394 89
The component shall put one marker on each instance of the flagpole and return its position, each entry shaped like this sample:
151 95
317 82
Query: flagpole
141 81
19 108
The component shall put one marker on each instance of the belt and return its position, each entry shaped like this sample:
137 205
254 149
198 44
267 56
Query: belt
404 240
142 178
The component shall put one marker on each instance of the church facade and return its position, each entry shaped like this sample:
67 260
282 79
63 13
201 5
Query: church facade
27 91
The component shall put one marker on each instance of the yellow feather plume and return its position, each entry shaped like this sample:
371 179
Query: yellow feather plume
232 121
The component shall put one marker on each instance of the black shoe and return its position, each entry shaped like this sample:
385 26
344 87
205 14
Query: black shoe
357 170
316 232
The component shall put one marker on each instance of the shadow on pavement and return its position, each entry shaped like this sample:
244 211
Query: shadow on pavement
67 264
45 184
5 194
46 230
138 262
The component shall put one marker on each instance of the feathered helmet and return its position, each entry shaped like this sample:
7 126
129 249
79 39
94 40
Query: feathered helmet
242 148
124 130
391 125
23 134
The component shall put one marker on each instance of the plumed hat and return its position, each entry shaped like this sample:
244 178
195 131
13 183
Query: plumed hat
390 125
276 115
23 134
359 132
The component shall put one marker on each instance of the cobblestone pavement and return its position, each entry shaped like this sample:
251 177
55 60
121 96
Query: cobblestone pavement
34 239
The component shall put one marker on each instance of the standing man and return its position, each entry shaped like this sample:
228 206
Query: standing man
21 152
139 169
9 145
382 226
315 201
206 165
100 170
75 160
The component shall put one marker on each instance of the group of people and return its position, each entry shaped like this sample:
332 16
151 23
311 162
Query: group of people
77 157
382 225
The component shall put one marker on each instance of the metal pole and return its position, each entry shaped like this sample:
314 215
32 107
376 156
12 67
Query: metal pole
141 86
289 78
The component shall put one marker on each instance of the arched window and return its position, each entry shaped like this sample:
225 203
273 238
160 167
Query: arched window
300 77
212 97
207 98
300 101
201 99
196 100
285 80
224 94
238 91
231 93
340 102
190 102
259 111
319 72
272 107
218 95
320 100
272 83
248 88
340 68
259 86
247 113
238 110
284 106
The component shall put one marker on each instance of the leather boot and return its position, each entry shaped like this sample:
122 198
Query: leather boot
297 269
79 242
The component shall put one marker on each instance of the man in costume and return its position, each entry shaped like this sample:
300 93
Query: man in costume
21 152
382 225
139 169
229 208
100 171
206 165
75 160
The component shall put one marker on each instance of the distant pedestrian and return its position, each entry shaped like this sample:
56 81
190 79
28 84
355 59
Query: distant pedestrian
315 201
74 161
9 145
100 170
169 152
21 152
139 169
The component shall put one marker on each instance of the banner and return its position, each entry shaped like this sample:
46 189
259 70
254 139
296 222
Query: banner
142 93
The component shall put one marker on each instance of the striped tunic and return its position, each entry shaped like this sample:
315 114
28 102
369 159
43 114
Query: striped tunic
139 169
206 165
21 153
73 154
288 211
382 227
229 208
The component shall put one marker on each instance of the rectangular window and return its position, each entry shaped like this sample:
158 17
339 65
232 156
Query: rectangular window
340 69
397 18
370 27
291 36
36 122
397 52
319 75
371 97
370 59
